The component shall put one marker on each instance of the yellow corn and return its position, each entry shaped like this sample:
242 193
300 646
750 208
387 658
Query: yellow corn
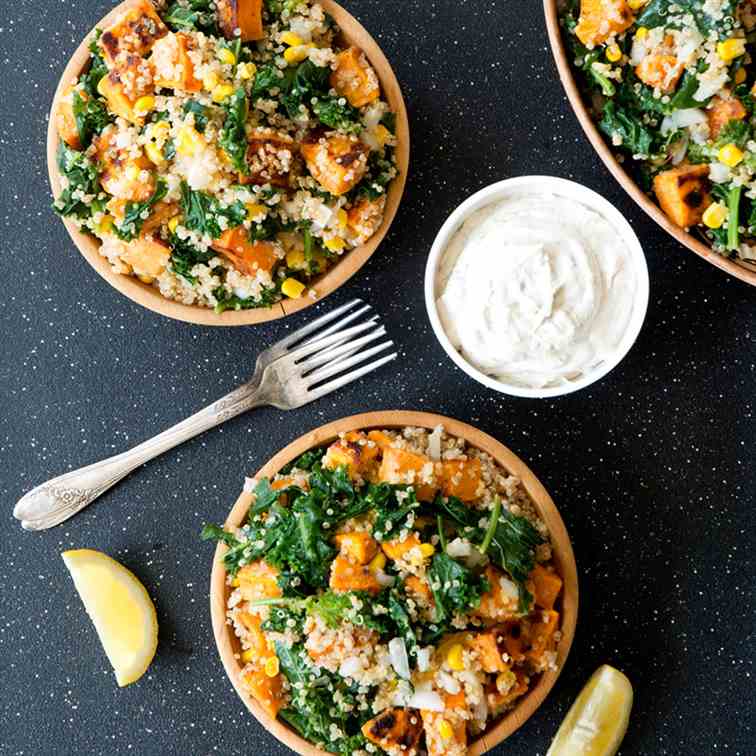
740 76
105 226
189 141
248 656
144 105
715 215
210 81
172 226
254 210
636 4
291 39
292 288
235 582
730 155
641 33
222 92
226 57
246 70
613 53
145 279
382 134
272 666
731 49
378 562
454 658
295 259
296 54
132 172
154 153
335 244
342 218
427 550
445 730
160 131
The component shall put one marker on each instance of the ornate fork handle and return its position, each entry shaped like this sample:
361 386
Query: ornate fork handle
62 497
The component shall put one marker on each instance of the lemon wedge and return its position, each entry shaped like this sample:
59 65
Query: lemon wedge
597 721
121 609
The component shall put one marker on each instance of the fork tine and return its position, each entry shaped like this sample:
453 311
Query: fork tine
339 350
313 325
337 383
311 347
341 323
338 366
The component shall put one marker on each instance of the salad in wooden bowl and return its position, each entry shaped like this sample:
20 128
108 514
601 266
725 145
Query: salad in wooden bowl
394 583
233 157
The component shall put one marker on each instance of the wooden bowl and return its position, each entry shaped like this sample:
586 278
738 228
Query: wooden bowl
228 643
150 297
744 271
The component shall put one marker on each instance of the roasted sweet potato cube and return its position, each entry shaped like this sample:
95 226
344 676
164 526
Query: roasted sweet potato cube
683 193
258 580
546 586
172 66
600 19
501 600
398 549
659 70
419 588
514 639
65 121
244 15
348 576
438 743
358 546
336 162
147 257
380 439
354 78
541 637
721 111
162 212
125 84
488 651
271 158
395 730
461 478
401 466
365 217
498 699
253 638
247 256
122 175
354 452
267 691
134 33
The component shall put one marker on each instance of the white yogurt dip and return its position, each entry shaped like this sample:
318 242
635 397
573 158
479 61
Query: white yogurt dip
536 289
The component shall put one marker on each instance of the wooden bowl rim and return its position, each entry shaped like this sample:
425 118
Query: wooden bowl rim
562 553
147 295
741 271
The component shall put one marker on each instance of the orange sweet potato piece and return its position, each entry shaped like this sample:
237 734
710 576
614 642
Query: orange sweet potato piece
267 691
454 708
496 603
420 588
254 639
514 640
365 218
541 636
247 256
118 167
245 15
380 439
270 156
546 586
397 549
337 163
358 546
402 466
683 193
461 478
125 84
394 730
659 70
162 212
172 65
354 78
600 19
134 33
352 451
488 651
498 700
721 111
147 257
348 576
258 580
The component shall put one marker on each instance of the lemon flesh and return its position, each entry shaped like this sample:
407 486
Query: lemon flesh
597 721
120 608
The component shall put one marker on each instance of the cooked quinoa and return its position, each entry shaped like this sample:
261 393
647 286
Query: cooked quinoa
392 592
672 86
225 160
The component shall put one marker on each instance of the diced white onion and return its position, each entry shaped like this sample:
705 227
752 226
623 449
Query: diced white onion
249 485
423 658
426 699
719 172
679 148
383 579
350 666
458 548
434 443
398 655
681 119
448 683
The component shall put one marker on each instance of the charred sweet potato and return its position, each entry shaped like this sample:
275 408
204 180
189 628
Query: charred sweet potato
348 576
365 217
244 15
395 730
600 19
354 78
358 546
419 588
247 256
121 174
354 452
541 637
501 600
270 158
172 65
659 70
683 193
134 33
336 162
125 84
721 111
161 214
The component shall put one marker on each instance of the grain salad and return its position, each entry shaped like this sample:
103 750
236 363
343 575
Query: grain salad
671 84
226 152
392 592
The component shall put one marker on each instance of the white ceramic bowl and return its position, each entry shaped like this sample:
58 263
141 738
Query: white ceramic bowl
563 188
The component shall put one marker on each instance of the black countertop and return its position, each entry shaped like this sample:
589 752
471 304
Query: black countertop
652 468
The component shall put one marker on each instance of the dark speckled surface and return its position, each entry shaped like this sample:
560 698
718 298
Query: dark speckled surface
652 469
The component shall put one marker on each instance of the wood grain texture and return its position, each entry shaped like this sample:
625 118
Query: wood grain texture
744 271
148 296
228 644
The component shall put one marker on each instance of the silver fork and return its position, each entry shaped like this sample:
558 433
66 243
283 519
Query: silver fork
289 374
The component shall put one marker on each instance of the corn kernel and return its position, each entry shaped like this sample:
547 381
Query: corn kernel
295 259
427 549
613 53
731 49
226 57
715 215
641 33
740 76
222 92
154 153
445 730
144 105
160 131
145 279
254 210
454 658
172 226
291 39
730 155
342 218
292 288
296 54
235 583
105 226
636 4
272 666
248 656
210 81
132 172
378 562
189 142
335 244
246 70
382 134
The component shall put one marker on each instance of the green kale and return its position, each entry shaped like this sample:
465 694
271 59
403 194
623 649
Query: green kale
269 78
238 550
201 212
282 618
91 116
456 589
277 7
381 170
306 461
184 256
665 12
82 179
233 137
636 138
137 212
734 131
97 67
393 506
201 114
335 114
226 300
192 14
400 616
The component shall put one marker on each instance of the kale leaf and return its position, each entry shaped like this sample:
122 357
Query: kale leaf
233 137
635 136
201 114
393 505
335 114
226 300
137 212
456 589
237 554
192 14
82 179
91 116
97 67
658 12
184 256
201 212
